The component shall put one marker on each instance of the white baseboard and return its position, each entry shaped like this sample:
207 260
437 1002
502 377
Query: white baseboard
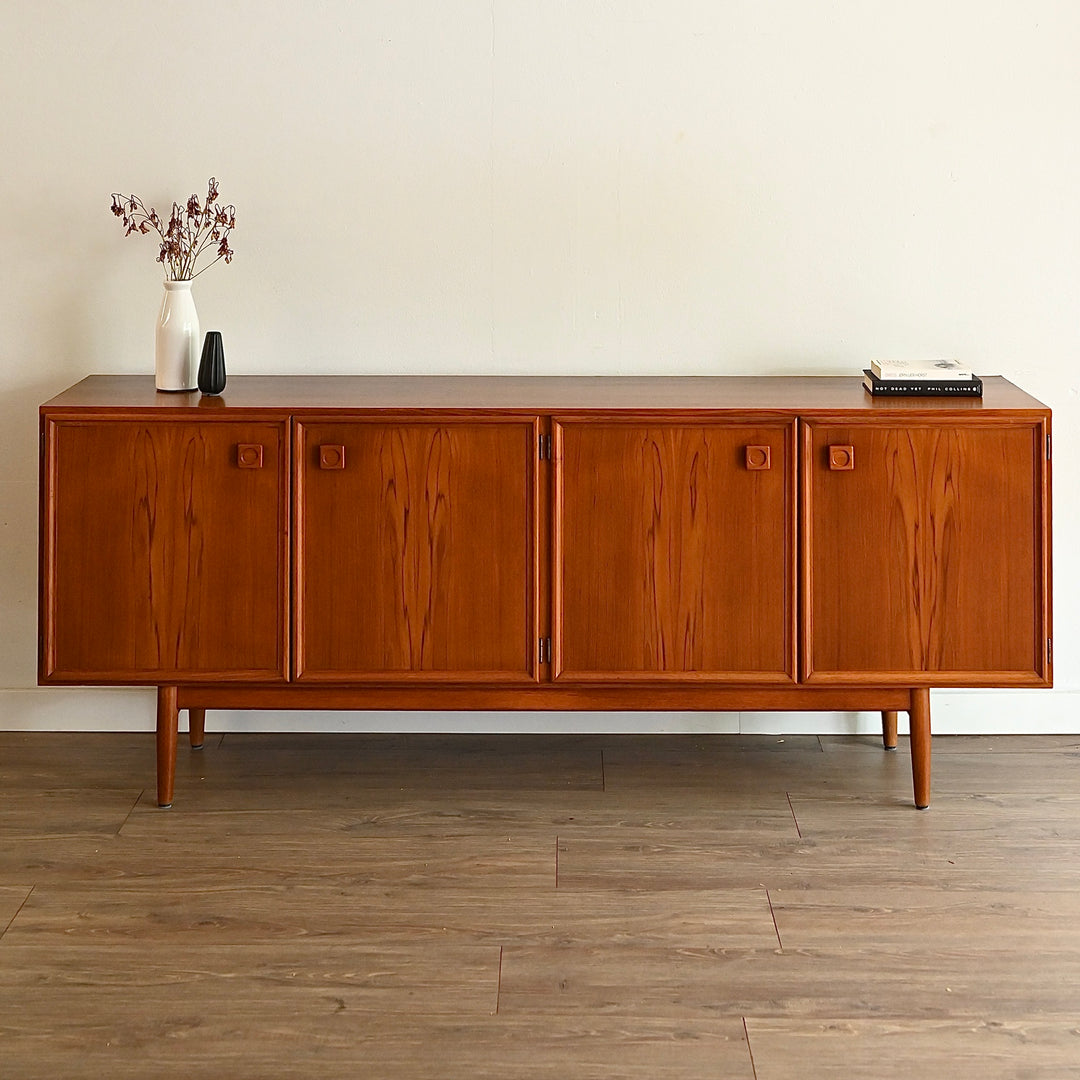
954 712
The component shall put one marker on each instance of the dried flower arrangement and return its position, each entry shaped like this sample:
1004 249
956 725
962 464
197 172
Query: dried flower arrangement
190 231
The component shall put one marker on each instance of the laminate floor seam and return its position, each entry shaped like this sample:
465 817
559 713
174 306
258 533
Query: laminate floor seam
11 921
127 816
772 914
794 816
749 1048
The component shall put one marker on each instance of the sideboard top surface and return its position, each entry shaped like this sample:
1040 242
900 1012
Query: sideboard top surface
298 393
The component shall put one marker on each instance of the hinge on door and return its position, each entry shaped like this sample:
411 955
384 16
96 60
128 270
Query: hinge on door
1048 447
1049 650
545 448
545 650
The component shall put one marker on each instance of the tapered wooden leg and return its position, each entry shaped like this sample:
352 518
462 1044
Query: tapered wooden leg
888 730
167 715
920 746
197 727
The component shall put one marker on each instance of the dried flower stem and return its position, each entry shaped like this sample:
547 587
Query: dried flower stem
191 230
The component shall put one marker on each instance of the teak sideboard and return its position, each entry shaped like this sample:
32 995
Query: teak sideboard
450 543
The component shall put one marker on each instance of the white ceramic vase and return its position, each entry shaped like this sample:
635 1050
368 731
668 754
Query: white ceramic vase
176 342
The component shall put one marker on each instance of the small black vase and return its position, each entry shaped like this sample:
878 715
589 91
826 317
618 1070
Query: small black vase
212 364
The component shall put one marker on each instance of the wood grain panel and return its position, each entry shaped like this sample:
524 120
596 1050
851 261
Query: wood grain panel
255 1038
32 763
707 768
431 763
797 394
633 696
163 559
884 917
309 976
63 812
417 560
673 559
864 983
1035 820
926 562
147 855
991 1046
891 850
594 861
171 909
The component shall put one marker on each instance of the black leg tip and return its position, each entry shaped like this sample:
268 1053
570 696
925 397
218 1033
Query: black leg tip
164 805
925 806
890 748
197 746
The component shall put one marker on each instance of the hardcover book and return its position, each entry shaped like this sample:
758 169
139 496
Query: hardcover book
921 369
972 387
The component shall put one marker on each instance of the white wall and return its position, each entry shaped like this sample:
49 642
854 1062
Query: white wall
578 186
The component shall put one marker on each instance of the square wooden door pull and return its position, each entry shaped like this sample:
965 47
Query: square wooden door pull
249 456
841 458
331 457
758 458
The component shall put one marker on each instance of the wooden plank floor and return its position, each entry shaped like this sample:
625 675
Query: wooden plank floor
407 906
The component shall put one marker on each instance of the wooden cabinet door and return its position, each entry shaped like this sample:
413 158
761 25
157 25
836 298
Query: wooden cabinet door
926 555
164 551
416 550
674 551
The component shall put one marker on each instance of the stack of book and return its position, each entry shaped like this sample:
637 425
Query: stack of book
921 378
